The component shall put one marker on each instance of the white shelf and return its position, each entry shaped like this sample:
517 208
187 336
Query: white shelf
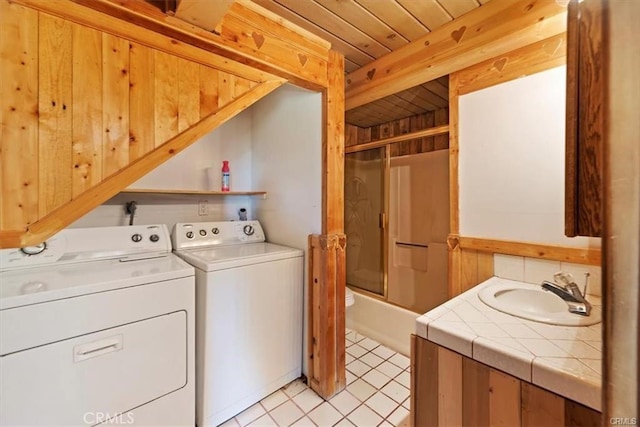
192 192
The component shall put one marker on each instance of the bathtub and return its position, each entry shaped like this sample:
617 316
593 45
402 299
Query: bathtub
386 323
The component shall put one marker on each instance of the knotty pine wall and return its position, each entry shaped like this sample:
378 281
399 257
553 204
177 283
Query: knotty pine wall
79 105
355 135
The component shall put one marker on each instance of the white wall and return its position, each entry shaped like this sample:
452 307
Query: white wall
188 171
512 148
287 163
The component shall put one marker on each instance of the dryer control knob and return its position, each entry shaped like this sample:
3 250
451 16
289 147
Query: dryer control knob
189 234
248 230
215 230
203 232
34 250
154 238
136 237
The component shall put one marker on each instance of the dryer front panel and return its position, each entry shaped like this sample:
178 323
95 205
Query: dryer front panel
83 380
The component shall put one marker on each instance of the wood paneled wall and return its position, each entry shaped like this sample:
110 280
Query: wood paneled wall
449 389
79 105
355 135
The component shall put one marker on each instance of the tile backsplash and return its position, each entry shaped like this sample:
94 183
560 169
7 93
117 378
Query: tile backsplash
535 270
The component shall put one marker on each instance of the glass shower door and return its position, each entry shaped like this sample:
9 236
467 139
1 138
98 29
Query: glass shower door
365 177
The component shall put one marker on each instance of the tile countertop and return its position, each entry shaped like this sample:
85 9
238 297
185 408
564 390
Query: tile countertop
563 359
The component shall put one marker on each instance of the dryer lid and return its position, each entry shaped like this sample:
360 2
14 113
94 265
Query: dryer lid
232 256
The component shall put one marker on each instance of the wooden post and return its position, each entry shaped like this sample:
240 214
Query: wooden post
326 310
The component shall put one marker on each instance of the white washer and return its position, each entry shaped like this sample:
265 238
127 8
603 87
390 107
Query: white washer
97 325
249 308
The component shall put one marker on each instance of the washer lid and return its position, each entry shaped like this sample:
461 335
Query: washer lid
232 256
53 282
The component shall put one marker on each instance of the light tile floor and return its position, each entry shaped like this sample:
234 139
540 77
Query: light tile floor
377 394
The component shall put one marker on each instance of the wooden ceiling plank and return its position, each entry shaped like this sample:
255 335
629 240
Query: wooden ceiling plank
403 103
396 17
392 108
312 11
350 53
438 88
457 8
417 100
207 15
494 29
429 12
366 22
431 97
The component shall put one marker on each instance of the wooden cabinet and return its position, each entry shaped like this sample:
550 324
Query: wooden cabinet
585 119
448 389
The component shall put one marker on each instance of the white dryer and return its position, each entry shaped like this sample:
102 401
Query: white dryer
97 326
249 307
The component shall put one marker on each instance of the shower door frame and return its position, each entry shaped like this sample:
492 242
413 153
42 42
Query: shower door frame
383 221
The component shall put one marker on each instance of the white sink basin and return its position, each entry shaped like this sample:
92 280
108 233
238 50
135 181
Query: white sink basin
533 303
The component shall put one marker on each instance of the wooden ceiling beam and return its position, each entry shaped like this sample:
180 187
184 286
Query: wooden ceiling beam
203 14
248 36
494 29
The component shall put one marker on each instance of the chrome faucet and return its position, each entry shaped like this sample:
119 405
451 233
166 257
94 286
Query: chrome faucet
570 293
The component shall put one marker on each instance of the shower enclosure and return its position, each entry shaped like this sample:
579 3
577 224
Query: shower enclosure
397 221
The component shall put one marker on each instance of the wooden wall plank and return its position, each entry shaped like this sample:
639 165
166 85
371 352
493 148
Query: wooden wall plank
540 408
115 104
441 142
475 393
469 269
87 108
241 86
141 100
166 97
485 266
19 120
226 83
208 91
577 415
450 388
424 382
534 250
189 94
151 28
55 128
504 399
110 186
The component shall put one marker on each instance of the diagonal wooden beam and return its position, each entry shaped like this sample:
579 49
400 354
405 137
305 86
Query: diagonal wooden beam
203 14
493 29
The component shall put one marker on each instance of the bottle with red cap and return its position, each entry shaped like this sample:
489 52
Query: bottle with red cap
226 175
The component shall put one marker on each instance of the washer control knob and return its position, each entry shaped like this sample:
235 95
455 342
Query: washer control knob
215 230
248 230
203 232
154 238
136 237
34 250
189 234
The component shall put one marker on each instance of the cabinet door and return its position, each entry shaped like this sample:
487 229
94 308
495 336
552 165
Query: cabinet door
585 119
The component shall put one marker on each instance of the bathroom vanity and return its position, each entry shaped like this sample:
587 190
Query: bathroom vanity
474 365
